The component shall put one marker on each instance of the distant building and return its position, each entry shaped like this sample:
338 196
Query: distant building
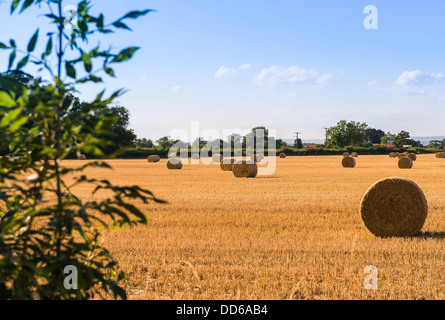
386 145
309 145
407 146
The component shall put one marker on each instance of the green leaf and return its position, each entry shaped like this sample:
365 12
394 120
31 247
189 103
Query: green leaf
18 123
32 42
3 46
121 25
22 62
109 71
26 5
11 59
136 14
12 42
70 71
49 47
10 117
86 61
125 55
14 5
6 100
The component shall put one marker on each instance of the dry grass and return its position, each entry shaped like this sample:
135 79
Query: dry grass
297 234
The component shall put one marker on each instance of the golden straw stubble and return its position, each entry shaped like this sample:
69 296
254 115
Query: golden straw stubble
245 169
405 163
227 164
348 162
394 207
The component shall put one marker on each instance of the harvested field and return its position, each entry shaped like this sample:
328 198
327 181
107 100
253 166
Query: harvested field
295 235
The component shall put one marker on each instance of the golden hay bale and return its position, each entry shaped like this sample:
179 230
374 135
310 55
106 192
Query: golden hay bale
354 154
412 156
406 152
174 164
217 158
394 207
401 155
244 169
396 155
405 163
346 154
153 158
392 155
257 157
348 162
81 157
282 155
227 164
440 155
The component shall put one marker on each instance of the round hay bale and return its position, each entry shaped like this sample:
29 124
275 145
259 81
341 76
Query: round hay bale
401 155
174 164
394 207
282 155
81 157
348 162
440 155
217 158
392 155
412 156
354 154
406 153
396 155
405 163
195 156
227 164
257 157
153 158
346 154
244 169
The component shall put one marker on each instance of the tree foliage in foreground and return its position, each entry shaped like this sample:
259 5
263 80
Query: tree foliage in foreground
44 226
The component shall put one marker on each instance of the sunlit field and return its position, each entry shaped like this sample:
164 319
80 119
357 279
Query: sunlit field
296 234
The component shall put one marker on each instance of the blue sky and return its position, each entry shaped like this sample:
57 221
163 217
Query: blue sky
290 65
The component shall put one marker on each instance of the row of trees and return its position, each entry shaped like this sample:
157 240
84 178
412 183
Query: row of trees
357 134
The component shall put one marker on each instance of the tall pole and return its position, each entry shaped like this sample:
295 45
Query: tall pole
325 137
296 139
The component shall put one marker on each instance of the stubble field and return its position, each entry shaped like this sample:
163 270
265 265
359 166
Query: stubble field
296 234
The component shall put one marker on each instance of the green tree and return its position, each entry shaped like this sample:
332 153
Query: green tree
345 134
388 138
166 143
374 135
403 138
41 124
298 143
435 143
144 143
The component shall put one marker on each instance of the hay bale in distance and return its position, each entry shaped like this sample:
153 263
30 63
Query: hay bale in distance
394 207
392 155
354 154
346 154
282 155
244 169
405 163
81 157
153 158
348 162
227 164
217 158
412 156
440 155
174 164
401 155
396 155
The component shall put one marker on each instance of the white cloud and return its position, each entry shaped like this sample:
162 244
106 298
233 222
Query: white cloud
291 75
418 78
175 89
226 72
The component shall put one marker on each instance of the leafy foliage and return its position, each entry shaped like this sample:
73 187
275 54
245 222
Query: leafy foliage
41 123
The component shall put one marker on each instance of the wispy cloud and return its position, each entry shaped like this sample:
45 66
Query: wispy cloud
418 78
227 72
175 89
276 75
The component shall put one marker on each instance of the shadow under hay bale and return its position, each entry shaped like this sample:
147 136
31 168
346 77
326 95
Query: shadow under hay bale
174 164
227 164
394 207
348 162
153 158
405 163
244 169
